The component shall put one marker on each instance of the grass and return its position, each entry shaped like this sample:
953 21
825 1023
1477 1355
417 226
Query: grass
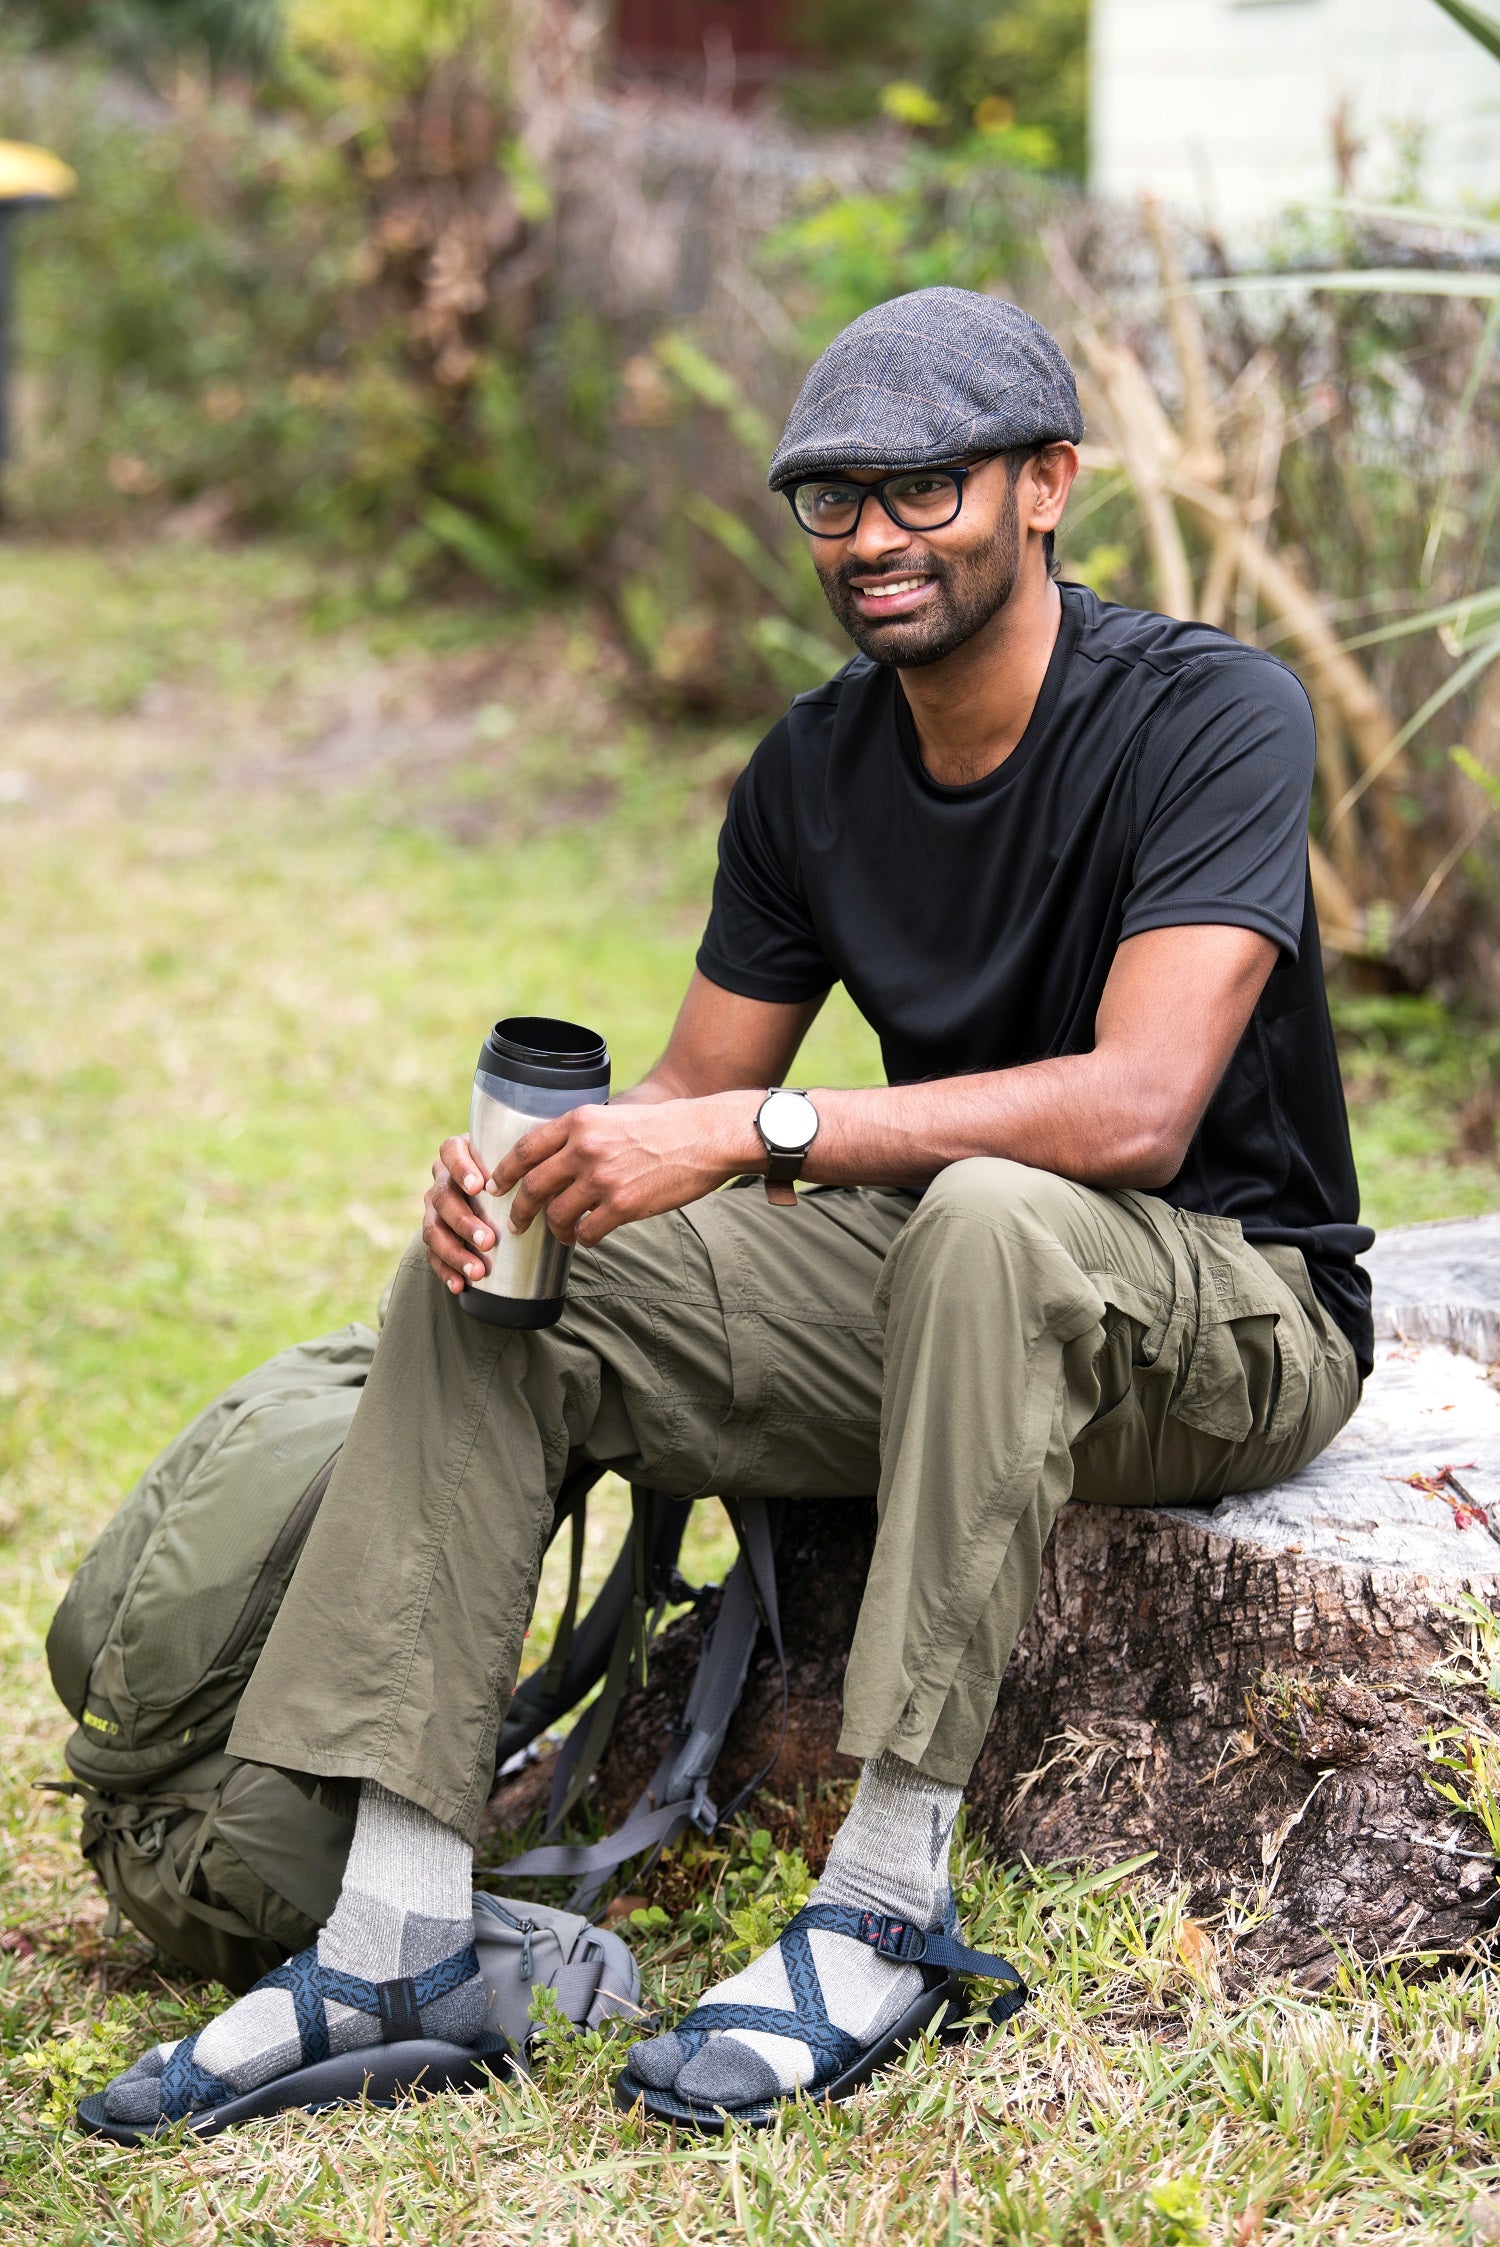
269 865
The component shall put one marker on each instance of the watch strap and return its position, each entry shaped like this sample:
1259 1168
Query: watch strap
783 1167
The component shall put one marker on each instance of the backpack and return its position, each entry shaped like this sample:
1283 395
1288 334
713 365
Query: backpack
230 1867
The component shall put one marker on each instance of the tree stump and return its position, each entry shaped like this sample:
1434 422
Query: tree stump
1246 1689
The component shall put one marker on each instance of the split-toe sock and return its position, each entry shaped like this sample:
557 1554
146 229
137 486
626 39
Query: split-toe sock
889 1856
405 1906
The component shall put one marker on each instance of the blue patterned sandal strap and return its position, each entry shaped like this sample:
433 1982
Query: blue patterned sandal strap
395 2003
306 1983
186 2087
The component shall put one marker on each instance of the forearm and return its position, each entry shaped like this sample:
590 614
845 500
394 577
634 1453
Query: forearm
1091 1117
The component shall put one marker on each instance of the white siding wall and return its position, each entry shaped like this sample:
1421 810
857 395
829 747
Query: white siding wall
1225 106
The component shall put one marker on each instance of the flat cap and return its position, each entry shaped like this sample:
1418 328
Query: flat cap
927 377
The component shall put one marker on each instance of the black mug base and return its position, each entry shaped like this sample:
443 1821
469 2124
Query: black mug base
511 1310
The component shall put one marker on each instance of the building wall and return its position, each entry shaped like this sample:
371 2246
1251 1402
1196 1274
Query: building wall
681 35
1227 107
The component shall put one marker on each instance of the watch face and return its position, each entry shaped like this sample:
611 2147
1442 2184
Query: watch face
788 1120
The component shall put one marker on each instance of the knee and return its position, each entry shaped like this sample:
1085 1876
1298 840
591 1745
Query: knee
993 1236
993 1190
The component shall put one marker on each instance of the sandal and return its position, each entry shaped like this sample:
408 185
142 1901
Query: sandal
841 2064
403 2061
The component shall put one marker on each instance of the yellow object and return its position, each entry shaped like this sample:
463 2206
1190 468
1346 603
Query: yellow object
995 114
26 171
911 105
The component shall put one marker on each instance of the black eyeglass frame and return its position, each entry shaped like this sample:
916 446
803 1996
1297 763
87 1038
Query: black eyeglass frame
959 472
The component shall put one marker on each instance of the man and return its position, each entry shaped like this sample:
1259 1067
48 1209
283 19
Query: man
1095 1237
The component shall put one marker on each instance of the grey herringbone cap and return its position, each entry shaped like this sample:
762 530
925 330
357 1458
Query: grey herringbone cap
927 377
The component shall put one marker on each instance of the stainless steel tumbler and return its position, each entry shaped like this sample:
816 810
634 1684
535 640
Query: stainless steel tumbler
530 1068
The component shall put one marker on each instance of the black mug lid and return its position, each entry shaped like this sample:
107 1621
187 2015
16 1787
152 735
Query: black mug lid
538 1049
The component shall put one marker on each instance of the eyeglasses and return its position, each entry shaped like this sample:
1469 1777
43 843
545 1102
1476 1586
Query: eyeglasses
920 499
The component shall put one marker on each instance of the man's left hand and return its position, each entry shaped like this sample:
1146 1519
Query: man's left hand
597 1168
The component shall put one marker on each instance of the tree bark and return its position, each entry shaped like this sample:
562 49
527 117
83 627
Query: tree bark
1247 1690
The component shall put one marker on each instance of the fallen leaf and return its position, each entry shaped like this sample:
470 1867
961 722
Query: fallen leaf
1197 1949
621 1908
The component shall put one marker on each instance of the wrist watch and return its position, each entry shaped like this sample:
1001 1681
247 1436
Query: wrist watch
787 1124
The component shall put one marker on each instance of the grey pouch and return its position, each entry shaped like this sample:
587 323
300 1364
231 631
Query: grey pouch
524 1947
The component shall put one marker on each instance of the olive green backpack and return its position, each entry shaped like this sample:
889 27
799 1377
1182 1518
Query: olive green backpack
228 1866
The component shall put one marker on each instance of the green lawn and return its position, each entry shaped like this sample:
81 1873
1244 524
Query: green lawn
268 865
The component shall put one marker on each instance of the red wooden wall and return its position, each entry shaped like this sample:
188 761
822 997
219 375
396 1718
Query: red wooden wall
672 33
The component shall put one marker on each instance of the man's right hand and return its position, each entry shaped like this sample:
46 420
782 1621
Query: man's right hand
453 1232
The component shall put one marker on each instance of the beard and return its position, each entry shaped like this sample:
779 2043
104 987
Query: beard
971 588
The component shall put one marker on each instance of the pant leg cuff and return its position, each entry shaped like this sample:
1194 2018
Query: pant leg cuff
336 1780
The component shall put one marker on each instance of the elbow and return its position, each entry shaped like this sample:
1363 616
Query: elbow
1150 1150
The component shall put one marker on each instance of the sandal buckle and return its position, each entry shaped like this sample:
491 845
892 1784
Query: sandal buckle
893 1938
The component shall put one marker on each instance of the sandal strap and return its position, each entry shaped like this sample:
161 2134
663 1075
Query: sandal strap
935 1947
396 2004
185 2086
936 1950
832 2048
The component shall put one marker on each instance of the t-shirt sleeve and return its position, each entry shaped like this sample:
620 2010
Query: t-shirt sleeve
760 941
1221 816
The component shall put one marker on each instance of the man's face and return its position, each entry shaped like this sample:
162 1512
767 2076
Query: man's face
911 597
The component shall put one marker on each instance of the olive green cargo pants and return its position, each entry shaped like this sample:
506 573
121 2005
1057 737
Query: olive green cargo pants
977 1357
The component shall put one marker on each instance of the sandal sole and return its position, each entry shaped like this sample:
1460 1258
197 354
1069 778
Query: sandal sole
951 1999
380 2073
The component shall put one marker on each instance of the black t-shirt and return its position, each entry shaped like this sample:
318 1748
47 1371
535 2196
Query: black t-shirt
1163 780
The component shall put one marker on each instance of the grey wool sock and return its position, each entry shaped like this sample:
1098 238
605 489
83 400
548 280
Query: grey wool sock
890 1855
406 1904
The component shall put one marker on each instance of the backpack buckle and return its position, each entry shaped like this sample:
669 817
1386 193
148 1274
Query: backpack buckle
704 1813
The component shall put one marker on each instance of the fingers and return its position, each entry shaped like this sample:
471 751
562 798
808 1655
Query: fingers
536 1146
564 1210
453 1260
454 1234
538 1187
457 1157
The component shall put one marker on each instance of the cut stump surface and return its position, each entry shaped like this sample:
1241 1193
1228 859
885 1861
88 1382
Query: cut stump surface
1245 1689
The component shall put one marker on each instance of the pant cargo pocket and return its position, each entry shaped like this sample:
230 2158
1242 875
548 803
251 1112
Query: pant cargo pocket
1240 1379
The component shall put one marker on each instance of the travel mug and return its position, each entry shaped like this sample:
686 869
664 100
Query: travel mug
530 1068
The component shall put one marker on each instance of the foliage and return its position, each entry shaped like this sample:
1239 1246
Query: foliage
953 68
382 50
966 217
225 34
195 329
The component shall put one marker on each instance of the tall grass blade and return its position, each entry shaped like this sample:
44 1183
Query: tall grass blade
1483 656
1479 26
1408 214
1373 280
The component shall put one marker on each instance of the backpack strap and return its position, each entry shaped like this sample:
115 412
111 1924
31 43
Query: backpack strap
547 1694
677 1796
